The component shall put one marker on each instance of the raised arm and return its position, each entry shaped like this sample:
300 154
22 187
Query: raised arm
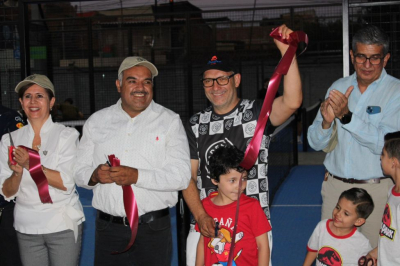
285 105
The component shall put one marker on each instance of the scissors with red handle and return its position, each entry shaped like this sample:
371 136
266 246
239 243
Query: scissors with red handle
11 149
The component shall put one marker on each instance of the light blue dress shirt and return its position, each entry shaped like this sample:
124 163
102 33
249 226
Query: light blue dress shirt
360 142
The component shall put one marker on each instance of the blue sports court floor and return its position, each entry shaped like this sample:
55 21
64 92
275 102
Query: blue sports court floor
295 212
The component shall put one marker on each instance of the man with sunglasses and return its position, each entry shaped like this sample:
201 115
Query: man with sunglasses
232 121
364 106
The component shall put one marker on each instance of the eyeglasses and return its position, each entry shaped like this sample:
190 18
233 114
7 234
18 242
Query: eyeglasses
223 80
374 60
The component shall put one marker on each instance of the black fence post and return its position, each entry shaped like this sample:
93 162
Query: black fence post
91 68
183 212
23 30
295 145
304 128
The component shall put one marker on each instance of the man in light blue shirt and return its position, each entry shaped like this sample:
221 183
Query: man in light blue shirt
365 106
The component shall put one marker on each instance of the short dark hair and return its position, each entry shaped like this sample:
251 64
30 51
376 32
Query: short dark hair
224 159
362 200
392 144
24 88
371 34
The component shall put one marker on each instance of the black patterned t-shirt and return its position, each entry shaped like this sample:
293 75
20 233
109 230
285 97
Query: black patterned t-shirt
207 131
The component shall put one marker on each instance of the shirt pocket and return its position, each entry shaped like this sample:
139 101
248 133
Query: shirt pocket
152 148
375 119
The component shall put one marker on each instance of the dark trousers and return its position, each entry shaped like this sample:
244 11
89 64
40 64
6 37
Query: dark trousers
9 251
153 244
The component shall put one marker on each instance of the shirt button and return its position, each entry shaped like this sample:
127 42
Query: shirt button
126 150
129 134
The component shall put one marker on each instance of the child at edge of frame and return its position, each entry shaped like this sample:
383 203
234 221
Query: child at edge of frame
387 252
337 241
251 241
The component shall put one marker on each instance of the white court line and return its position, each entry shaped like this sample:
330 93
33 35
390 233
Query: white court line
294 205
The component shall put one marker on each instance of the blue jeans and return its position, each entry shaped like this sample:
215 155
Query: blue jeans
152 246
50 249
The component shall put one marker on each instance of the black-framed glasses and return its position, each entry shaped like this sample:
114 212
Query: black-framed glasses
223 80
374 60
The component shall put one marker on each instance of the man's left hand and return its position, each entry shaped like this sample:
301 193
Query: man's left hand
339 101
123 175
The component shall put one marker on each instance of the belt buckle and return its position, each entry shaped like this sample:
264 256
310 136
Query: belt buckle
374 181
350 180
124 221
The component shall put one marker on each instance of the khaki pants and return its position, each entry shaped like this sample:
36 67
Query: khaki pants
331 190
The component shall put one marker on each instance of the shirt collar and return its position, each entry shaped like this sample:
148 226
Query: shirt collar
381 77
149 109
46 126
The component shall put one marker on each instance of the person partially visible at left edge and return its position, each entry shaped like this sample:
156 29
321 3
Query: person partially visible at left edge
48 233
152 146
10 120
365 106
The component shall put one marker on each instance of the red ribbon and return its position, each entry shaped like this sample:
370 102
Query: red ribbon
36 171
282 68
233 241
130 206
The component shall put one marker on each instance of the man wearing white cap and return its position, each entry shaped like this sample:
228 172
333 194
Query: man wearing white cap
151 144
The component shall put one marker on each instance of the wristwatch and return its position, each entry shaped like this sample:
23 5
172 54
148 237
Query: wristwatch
346 118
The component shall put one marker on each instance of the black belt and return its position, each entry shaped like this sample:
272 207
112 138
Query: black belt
143 219
357 181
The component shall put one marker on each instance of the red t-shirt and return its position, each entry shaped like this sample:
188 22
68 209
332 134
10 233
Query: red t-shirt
252 223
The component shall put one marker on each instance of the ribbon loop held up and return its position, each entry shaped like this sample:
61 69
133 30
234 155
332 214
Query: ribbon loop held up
282 68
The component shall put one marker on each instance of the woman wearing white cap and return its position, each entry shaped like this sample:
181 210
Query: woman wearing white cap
48 215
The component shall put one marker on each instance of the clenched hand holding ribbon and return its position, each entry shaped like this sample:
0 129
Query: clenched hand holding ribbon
130 206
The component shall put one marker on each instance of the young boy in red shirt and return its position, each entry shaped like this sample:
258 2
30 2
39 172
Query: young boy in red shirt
251 241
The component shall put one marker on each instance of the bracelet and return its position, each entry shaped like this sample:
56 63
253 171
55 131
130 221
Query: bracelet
346 118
